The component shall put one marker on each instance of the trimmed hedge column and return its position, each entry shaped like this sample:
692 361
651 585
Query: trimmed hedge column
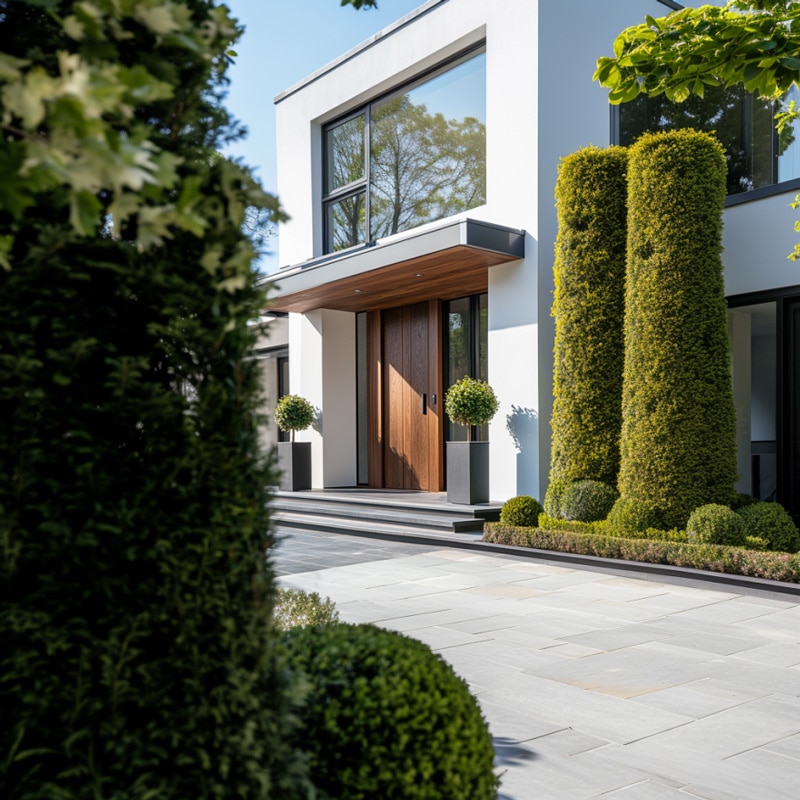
589 306
678 445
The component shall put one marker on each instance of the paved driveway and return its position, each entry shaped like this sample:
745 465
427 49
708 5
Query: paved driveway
593 684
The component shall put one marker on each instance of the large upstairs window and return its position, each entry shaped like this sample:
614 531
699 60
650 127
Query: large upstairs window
757 157
413 156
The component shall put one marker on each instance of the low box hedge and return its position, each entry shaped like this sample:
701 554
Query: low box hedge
715 558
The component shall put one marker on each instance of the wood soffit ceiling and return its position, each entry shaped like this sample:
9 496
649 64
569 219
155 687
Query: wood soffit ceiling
444 275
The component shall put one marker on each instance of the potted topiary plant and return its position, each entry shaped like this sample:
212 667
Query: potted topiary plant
294 413
469 402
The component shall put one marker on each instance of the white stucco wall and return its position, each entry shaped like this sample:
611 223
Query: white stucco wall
757 238
322 369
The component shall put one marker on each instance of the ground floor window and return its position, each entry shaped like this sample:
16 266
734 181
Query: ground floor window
765 335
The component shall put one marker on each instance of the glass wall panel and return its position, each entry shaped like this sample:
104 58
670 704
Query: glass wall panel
743 123
344 153
428 150
467 347
346 222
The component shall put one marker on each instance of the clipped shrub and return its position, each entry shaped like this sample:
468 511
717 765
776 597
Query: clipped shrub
523 511
559 524
588 501
713 557
388 718
469 402
589 272
715 524
293 413
296 607
772 523
633 517
678 437
554 498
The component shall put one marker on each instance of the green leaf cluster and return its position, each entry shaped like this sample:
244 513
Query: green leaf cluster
754 44
589 304
90 106
678 436
388 718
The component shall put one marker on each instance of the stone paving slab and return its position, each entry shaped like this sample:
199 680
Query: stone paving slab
595 685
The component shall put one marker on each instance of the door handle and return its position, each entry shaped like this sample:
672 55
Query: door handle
424 403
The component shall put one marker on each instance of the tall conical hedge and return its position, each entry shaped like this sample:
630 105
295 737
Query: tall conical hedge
678 444
591 201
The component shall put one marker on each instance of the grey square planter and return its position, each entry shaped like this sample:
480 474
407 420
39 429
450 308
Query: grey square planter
468 472
294 462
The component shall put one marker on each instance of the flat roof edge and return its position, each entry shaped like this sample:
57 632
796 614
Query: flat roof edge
359 48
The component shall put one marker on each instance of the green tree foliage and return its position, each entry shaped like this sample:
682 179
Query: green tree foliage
134 598
589 305
678 440
754 44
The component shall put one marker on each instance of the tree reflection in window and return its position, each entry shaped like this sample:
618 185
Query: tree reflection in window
423 167
743 123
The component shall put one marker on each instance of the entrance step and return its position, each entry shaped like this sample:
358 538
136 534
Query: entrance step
386 514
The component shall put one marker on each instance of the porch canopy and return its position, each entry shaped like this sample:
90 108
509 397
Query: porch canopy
445 262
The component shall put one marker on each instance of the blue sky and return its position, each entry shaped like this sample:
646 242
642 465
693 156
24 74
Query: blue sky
284 41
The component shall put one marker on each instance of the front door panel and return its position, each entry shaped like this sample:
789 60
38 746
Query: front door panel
406 390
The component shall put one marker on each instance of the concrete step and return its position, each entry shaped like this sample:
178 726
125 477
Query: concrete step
400 511
286 521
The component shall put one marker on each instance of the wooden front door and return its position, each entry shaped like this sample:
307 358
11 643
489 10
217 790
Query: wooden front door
405 420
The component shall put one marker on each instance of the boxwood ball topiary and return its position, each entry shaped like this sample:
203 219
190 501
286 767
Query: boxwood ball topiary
678 437
589 304
771 522
716 524
522 511
469 402
587 501
293 413
387 718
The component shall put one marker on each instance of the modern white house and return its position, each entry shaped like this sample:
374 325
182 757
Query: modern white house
419 171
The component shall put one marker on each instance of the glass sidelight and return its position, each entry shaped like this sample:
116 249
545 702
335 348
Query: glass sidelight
466 352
